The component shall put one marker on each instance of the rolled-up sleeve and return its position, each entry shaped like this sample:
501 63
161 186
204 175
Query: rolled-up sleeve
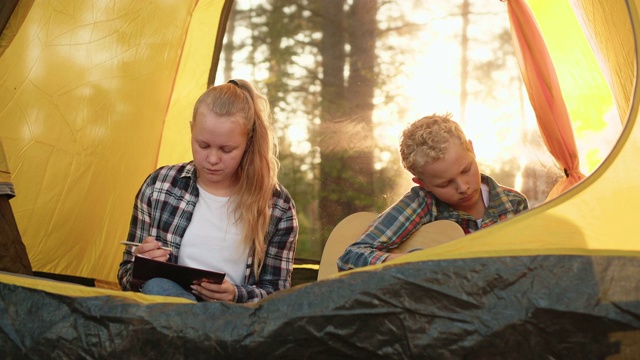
388 231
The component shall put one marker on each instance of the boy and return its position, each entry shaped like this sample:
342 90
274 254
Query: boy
436 152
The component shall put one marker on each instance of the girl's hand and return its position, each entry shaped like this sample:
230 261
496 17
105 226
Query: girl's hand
215 292
151 248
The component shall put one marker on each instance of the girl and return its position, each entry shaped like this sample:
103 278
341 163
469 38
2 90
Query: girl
223 211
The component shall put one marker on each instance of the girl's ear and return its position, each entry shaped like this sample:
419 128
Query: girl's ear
471 146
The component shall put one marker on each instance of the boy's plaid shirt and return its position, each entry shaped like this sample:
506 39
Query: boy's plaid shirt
419 207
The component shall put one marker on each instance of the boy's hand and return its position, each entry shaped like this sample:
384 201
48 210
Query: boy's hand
393 256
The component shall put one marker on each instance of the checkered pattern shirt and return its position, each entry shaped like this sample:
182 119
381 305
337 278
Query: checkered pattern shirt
164 206
419 207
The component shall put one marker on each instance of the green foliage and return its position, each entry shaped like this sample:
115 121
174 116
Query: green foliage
282 44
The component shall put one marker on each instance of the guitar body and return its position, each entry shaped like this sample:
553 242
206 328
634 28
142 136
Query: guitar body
349 230
429 235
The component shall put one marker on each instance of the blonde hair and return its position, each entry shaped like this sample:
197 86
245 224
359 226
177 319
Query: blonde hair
258 169
426 141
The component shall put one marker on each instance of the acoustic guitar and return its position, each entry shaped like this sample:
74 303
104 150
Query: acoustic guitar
349 230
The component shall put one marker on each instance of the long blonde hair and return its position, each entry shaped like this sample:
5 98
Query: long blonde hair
258 169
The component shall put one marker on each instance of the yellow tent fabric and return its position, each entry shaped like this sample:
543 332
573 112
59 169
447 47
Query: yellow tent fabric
612 38
545 94
75 290
95 95
90 91
584 74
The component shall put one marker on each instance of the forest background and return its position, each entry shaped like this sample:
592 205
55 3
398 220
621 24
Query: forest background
344 77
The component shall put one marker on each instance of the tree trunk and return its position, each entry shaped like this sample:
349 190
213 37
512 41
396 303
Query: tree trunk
346 134
361 90
333 54
464 60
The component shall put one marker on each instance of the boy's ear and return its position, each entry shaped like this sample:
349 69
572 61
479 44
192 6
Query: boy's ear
471 146
419 182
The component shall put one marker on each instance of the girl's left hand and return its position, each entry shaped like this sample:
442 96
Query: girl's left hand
215 292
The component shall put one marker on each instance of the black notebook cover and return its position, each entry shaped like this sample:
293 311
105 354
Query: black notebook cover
145 269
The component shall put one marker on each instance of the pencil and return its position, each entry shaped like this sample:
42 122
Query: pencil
136 244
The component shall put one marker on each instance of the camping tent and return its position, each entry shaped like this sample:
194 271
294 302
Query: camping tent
70 123
82 86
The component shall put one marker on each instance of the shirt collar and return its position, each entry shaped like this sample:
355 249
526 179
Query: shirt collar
189 171
498 200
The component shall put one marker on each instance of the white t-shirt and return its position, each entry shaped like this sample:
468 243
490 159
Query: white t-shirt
213 239
485 198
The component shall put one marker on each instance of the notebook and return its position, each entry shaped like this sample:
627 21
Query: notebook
145 269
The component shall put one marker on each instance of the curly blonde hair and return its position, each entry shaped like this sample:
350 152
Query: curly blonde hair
426 140
258 169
